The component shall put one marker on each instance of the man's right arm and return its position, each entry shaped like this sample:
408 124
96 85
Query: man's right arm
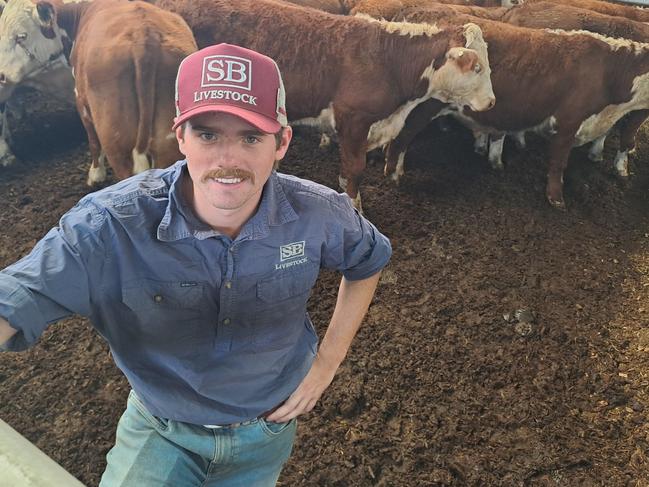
6 331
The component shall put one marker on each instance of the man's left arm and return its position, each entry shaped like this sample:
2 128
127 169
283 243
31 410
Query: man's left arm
353 300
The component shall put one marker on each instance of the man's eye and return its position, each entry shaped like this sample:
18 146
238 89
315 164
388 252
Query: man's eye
251 139
207 136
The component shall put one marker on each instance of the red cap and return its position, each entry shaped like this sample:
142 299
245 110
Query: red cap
231 79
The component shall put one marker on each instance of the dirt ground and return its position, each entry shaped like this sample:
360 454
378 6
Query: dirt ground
506 346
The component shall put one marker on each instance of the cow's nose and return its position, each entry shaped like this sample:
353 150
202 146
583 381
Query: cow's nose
3 79
492 103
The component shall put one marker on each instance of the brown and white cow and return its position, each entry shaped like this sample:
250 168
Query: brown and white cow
634 13
539 15
492 9
331 6
547 14
571 86
360 76
50 74
124 57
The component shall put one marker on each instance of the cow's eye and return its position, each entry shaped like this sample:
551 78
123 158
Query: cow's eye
477 68
21 37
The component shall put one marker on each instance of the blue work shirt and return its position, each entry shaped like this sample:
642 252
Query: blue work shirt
208 330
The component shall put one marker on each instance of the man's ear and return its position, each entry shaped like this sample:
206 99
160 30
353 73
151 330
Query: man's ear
287 135
180 137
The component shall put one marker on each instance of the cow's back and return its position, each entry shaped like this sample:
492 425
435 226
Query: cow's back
552 15
126 57
310 47
608 8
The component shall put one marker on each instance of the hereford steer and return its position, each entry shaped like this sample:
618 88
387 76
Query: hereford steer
571 86
389 9
124 57
331 6
608 8
360 76
537 15
49 73
559 16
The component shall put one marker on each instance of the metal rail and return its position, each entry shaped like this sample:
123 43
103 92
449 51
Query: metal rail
23 465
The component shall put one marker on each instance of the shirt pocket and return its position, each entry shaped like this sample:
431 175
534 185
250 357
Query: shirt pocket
281 305
168 310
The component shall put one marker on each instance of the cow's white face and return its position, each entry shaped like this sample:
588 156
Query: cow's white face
30 40
465 77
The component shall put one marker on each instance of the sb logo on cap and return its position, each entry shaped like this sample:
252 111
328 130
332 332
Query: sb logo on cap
227 71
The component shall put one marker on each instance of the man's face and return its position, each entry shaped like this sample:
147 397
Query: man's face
229 161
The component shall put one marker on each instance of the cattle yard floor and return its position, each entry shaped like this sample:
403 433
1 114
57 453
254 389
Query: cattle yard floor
445 385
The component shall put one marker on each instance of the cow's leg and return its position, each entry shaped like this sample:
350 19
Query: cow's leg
416 121
352 156
628 128
496 151
596 151
352 135
97 171
481 142
6 155
559 151
141 162
519 139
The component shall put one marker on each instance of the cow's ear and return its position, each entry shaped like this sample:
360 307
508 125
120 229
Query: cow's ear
472 34
46 13
2 5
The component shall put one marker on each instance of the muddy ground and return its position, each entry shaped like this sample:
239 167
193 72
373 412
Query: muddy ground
444 386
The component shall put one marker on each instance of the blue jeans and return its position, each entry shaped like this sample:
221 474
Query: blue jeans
155 452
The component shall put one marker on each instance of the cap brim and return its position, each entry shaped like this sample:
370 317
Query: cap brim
261 122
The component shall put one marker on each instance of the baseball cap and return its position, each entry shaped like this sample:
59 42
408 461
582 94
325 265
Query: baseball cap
231 79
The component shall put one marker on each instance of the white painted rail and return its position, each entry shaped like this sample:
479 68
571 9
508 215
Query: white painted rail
22 464
634 2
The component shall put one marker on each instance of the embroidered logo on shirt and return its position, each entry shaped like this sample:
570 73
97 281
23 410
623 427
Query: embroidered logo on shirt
294 253
291 251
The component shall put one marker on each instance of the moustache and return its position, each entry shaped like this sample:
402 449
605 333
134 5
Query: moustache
228 173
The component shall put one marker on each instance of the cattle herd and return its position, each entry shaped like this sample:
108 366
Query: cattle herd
374 72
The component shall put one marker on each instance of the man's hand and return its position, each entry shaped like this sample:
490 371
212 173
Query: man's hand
307 393
353 300
6 331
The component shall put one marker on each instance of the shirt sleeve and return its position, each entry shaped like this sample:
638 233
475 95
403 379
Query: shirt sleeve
357 248
52 281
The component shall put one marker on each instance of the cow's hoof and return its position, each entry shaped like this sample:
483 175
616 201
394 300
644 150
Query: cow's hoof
96 175
396 177
498 166
342 183
559 204
8 160
357 203
595 157
325 141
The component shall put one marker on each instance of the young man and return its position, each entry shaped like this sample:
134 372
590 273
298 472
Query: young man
198 277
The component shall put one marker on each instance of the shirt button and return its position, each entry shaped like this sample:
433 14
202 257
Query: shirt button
228 285
158 298
226 321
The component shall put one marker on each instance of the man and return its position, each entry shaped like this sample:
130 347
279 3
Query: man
198 276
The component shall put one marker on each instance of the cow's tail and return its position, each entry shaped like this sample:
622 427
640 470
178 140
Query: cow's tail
146 58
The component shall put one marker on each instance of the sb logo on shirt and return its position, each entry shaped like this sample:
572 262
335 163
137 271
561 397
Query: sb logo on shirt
292 250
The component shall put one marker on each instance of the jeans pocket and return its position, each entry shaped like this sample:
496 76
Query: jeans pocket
158 423
273 429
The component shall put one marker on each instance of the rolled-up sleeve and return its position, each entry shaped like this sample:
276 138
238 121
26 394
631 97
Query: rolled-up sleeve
357 248
53 280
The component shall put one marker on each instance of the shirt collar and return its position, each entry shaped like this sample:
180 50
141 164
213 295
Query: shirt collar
179 220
